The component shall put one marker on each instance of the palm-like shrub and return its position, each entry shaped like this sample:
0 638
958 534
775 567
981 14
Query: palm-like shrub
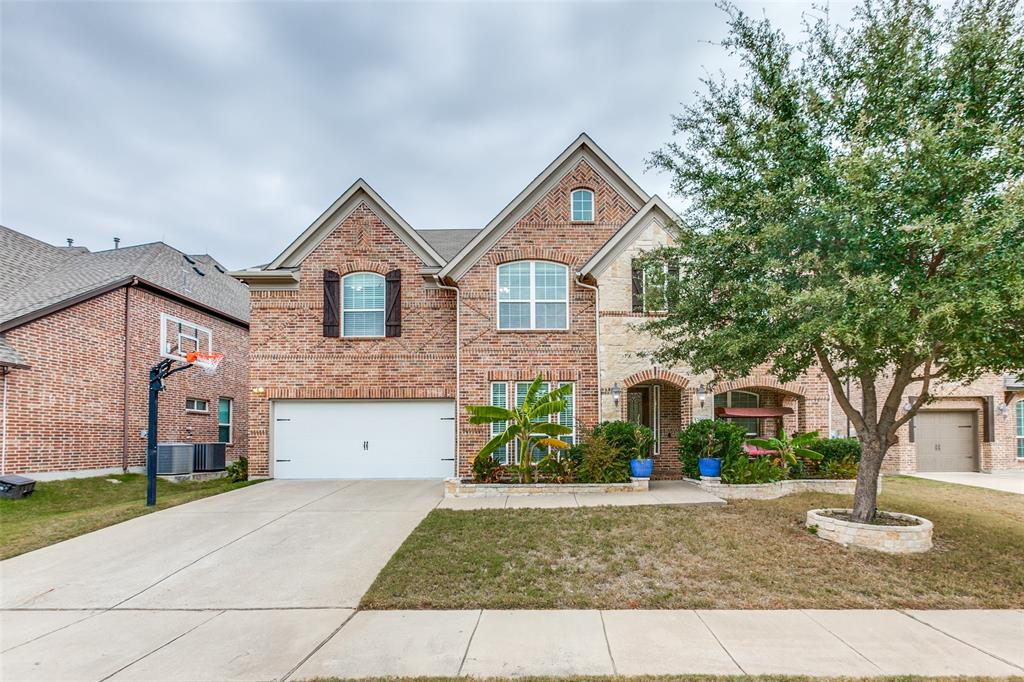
527 425
789 451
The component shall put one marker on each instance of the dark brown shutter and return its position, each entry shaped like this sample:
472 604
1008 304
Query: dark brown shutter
393 303
638 288
672 285
332 290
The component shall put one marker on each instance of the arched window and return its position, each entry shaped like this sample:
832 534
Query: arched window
582 205
740 399
362 304
533 295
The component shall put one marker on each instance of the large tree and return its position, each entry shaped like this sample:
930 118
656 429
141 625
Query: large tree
856 201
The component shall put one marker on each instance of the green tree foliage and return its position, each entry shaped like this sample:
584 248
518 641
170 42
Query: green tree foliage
856 202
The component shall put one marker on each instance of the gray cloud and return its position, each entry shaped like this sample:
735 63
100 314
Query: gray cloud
228 127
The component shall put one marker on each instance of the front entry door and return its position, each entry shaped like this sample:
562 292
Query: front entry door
643 406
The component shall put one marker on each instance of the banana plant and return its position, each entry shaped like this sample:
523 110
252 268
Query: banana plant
789 450
526 424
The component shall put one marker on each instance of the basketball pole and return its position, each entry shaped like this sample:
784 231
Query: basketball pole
157 374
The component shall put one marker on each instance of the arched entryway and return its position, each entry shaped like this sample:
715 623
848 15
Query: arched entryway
655 398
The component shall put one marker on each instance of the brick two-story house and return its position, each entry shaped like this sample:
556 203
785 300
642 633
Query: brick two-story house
79 331
369 337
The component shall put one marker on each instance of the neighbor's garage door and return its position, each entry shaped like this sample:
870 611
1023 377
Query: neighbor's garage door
363 439
946 441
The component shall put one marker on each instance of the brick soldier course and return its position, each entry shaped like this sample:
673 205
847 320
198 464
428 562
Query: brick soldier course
451 347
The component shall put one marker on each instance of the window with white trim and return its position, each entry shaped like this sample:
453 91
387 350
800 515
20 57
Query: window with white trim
196 405
651 286
225 410
362 304
533 295
1020 429
582 205
740 399
567 417
499 398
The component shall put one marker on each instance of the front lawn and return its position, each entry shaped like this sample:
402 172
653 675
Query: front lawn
59 510
749 554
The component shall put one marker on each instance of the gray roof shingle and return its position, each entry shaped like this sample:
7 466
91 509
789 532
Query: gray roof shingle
448 242
52 278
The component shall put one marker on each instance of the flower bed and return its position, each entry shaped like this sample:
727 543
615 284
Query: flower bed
457 487
906 534
771 491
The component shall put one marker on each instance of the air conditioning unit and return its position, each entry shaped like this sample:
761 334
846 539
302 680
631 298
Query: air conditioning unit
209 457
174 458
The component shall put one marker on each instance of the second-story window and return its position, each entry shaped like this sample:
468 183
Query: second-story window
582 205
533 295
362 304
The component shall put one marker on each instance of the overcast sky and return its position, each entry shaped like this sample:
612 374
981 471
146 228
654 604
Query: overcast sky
228 127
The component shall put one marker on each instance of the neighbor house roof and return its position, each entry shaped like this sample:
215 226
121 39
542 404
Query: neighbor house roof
582 148
52 282
448 242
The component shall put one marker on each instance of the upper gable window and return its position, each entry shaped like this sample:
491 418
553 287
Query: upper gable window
582 205
533 295
362 304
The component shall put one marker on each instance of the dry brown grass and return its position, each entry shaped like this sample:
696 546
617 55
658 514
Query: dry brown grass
745 555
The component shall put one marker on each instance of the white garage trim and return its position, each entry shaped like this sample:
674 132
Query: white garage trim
362 439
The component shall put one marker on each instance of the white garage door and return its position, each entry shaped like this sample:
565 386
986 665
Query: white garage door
946 441
363 438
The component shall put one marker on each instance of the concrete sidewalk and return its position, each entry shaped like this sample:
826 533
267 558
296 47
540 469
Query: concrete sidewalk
294 644
1006 481
661 492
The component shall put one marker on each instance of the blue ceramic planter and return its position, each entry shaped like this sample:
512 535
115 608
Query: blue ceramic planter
710 467
641 468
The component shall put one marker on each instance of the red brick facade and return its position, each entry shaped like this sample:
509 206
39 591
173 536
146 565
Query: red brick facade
67 411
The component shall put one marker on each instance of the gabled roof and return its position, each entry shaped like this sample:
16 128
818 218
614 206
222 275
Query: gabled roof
448 242
55 283
654 210
360 192
582 148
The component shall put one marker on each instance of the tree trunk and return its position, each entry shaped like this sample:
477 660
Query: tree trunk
865 496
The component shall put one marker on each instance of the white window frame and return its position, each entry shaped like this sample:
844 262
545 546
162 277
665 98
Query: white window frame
728 403
1020 428
664 293
196 410
495 429
572 209
341 307
656 417
558 415
230 423
533 300
165 352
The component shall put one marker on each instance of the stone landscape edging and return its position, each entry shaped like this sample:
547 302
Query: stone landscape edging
456 487
889 539
771 491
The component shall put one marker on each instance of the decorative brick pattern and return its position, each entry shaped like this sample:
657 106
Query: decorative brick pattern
67 412
656 374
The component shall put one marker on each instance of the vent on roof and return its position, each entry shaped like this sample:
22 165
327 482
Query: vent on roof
189 259
198 271
219 268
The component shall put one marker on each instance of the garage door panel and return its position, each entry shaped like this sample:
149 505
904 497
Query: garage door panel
364 439
946 441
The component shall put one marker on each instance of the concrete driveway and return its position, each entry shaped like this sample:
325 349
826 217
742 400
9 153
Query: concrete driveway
1006 481
266 573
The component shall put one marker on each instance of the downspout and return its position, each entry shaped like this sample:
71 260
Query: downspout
3 458
597 341
124 381
458 366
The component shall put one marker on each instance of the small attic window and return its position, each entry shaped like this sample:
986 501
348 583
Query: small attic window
582 205
198 271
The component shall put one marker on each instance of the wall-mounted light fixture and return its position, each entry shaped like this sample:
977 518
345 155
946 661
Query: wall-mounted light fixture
910 404
1004 410
702 394
259 390
616 393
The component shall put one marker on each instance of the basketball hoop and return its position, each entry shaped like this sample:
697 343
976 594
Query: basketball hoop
208 362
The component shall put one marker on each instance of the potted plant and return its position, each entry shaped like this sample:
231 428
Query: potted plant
709 463
633 440
707 444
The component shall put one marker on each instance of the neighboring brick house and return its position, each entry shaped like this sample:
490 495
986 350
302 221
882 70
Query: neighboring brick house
79 331
369 337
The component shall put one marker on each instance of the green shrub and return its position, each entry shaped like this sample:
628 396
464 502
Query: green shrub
602 462
487 469
837 449
750 470
840 468
727 443
553 468
238 470
634 440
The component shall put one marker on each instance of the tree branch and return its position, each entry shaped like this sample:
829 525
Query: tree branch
838 391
